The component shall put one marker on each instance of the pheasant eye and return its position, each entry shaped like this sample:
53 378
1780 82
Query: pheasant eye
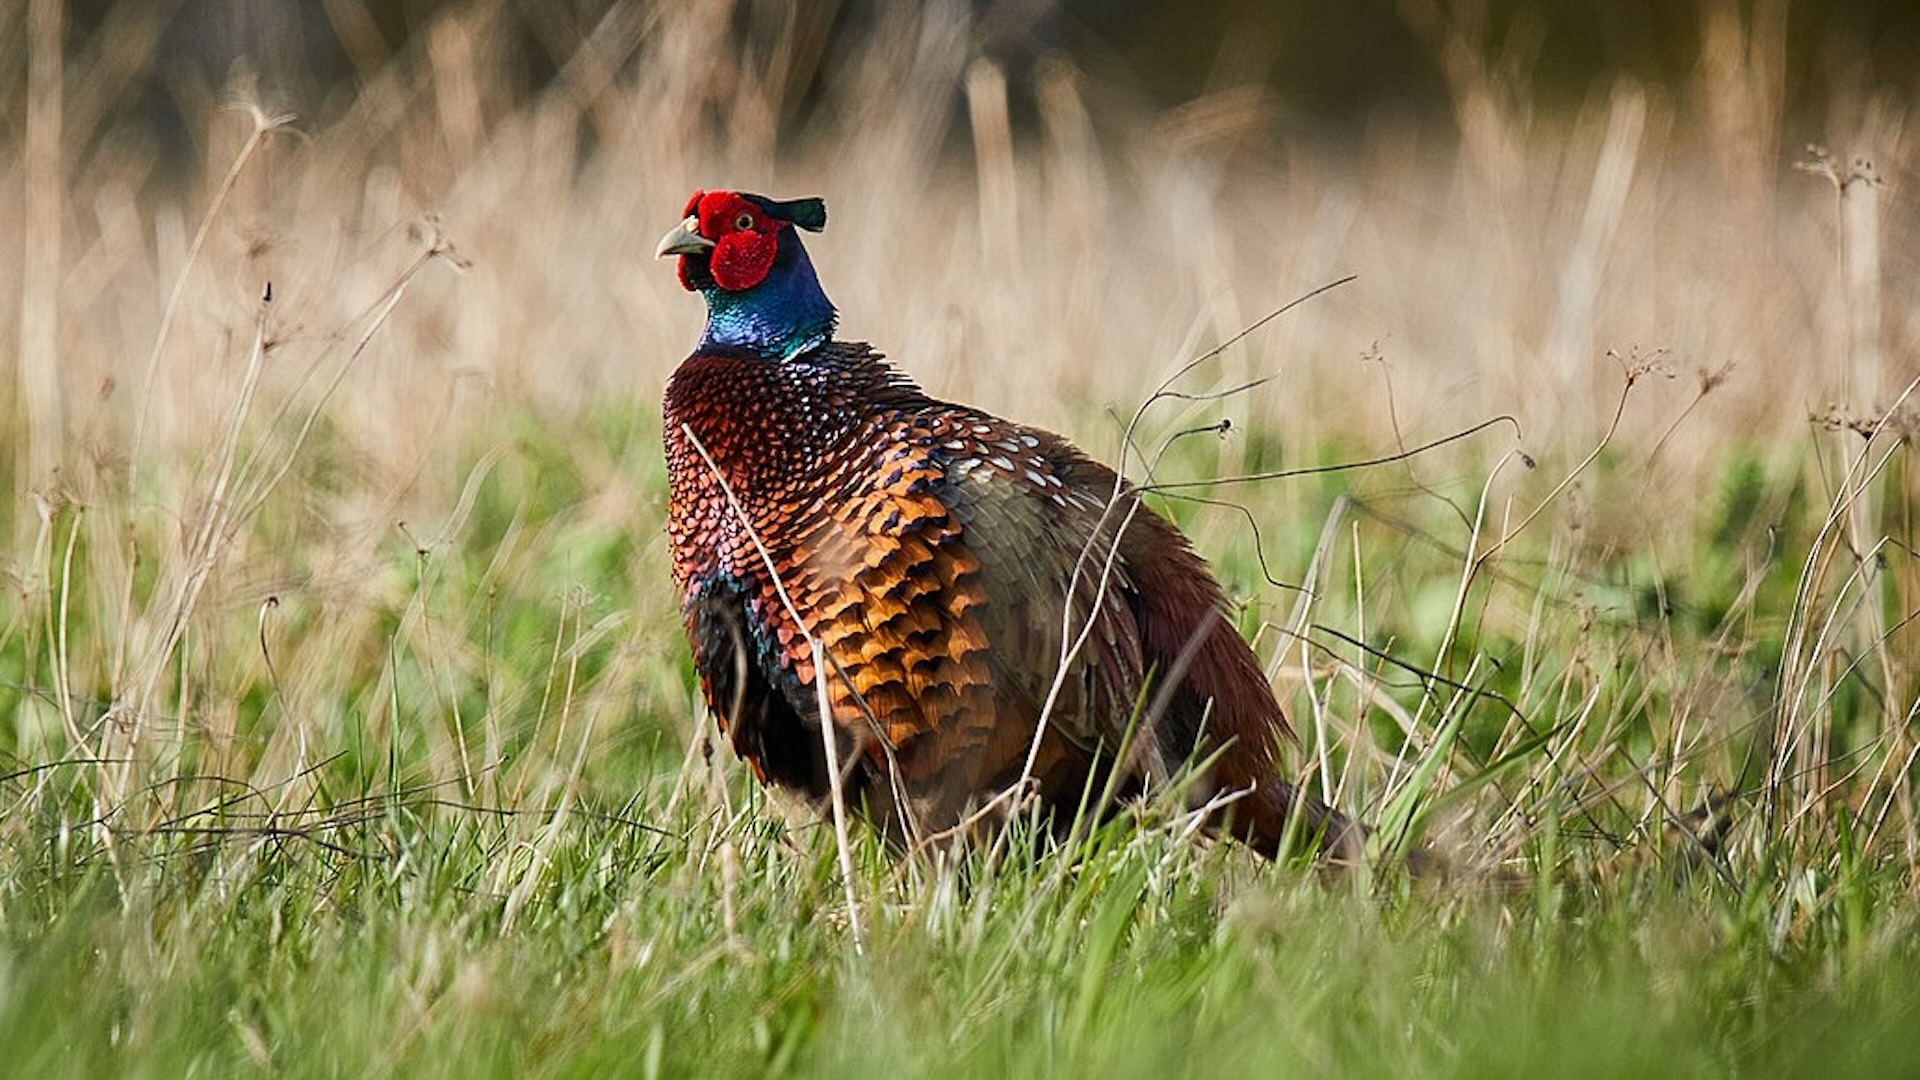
743 222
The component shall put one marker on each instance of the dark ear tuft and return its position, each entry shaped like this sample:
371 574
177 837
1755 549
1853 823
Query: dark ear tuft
808 214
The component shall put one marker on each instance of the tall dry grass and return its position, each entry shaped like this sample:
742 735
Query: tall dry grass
200 562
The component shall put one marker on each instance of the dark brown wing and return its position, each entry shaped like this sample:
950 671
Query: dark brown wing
1160 664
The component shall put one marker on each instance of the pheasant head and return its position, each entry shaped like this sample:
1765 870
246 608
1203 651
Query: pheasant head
743 254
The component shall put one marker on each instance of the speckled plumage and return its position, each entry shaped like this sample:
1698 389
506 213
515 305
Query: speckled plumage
941 557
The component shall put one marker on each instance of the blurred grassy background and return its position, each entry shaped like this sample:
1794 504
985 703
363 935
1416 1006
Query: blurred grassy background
357 599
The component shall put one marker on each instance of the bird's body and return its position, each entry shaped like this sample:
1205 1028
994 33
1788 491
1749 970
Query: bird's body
962 578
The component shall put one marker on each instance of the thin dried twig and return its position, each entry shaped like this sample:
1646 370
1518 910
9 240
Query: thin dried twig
264 124
820 669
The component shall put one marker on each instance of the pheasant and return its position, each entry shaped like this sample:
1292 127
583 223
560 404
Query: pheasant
994 613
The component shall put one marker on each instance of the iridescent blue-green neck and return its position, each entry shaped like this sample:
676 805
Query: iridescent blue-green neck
785 315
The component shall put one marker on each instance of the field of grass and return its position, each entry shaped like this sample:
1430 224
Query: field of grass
348 728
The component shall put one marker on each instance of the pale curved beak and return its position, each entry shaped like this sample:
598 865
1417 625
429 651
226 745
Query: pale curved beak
685 239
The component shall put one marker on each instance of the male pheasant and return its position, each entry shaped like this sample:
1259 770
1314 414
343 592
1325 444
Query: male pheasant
992 605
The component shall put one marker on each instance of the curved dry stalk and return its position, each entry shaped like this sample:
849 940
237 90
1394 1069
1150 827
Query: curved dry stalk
264 124
1507 534
377 315
205 548
1169 486
820 669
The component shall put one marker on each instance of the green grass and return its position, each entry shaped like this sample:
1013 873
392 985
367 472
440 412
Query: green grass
346 727
414 950
496 856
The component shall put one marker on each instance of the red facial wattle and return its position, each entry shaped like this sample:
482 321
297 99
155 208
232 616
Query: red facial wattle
745 239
